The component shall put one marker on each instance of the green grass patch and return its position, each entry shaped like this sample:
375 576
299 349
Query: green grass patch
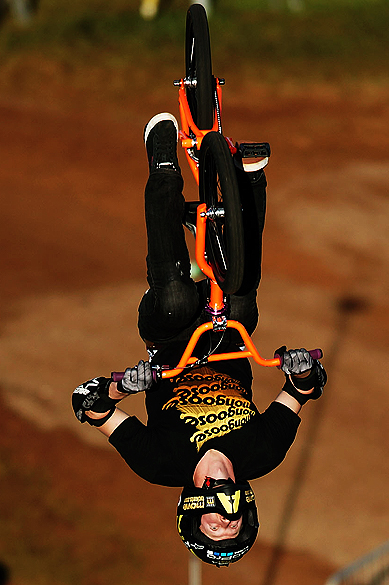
327 38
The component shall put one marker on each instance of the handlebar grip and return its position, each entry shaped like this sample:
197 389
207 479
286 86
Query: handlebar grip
316 354
118 376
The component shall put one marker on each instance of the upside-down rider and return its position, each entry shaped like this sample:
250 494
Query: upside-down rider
204 432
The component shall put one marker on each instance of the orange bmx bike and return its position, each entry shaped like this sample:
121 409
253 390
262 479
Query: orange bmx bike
217 216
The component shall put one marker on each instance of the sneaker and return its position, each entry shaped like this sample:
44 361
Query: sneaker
160 136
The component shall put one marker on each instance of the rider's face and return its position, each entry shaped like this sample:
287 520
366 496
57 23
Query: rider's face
217 527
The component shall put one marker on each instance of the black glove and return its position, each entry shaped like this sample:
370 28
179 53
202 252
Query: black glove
297 361
137 379
93 395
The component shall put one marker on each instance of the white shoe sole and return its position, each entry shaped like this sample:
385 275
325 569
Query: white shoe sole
160 118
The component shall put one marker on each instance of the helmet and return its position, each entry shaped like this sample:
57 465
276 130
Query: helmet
231 501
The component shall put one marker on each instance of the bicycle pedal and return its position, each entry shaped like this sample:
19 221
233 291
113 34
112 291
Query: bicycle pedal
254 149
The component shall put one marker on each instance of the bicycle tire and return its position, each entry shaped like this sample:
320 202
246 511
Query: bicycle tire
198 68
218 188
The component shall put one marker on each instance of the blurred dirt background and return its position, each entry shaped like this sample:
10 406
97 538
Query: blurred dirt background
72 174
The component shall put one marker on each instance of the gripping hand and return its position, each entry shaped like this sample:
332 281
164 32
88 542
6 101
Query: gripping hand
296 362
137 379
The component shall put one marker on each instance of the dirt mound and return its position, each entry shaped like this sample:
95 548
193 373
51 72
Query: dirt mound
73 247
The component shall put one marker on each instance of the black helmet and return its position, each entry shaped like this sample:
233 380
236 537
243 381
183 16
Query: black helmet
231 501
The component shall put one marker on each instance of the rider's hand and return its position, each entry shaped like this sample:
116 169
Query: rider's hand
294 361
137 379
305 377
93 396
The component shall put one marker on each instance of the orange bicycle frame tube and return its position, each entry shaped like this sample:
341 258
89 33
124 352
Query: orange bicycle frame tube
216 301
189 126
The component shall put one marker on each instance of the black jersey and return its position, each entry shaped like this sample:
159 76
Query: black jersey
205 408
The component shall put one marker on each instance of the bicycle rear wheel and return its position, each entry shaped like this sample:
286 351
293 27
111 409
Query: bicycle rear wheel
198 68
218 188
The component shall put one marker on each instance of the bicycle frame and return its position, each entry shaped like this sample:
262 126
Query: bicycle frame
191 137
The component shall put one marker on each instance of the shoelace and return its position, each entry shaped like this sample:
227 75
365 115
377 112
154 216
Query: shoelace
164 153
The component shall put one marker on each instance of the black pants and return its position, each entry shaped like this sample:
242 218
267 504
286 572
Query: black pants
173 306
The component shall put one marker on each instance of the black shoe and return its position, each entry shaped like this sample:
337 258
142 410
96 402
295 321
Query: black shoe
160 136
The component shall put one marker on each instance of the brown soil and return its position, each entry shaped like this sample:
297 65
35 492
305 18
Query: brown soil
73 245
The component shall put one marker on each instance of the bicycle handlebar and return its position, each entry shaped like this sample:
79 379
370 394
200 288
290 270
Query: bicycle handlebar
164 371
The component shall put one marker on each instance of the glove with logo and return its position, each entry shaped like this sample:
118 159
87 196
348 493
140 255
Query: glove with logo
298 361
137 379
93 395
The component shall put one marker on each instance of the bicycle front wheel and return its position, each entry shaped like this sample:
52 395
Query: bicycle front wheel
198 68
218 188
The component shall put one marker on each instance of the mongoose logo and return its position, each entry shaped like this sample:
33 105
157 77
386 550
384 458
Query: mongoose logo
214 404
